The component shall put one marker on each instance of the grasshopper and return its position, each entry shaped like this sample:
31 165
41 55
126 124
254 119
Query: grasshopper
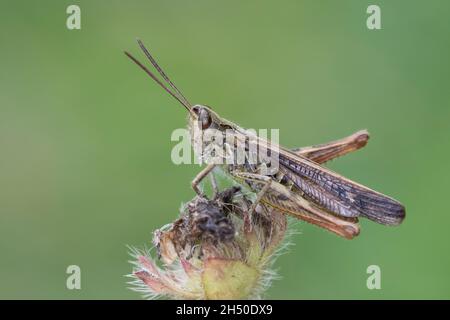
300 187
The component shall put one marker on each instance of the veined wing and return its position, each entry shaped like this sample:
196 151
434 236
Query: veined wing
332 191
339 194
300 208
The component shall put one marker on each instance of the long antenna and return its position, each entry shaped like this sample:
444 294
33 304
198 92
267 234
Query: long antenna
161 72
185 104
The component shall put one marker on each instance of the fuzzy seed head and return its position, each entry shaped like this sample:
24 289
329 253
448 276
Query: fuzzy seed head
216 249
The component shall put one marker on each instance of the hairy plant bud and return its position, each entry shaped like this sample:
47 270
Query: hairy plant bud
216 249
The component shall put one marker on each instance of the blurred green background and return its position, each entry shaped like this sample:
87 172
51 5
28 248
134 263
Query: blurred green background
85 144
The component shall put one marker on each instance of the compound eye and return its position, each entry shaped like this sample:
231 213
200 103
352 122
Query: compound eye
204 118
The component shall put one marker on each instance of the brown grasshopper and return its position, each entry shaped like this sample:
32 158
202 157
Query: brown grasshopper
300 186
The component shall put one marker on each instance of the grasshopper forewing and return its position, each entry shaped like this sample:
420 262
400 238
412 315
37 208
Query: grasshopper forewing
301 187
347 228
322 193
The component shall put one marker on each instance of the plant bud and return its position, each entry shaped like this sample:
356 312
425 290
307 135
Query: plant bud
216 249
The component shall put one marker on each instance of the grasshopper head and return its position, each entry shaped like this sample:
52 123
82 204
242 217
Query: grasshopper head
205 118
209 133
201 116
